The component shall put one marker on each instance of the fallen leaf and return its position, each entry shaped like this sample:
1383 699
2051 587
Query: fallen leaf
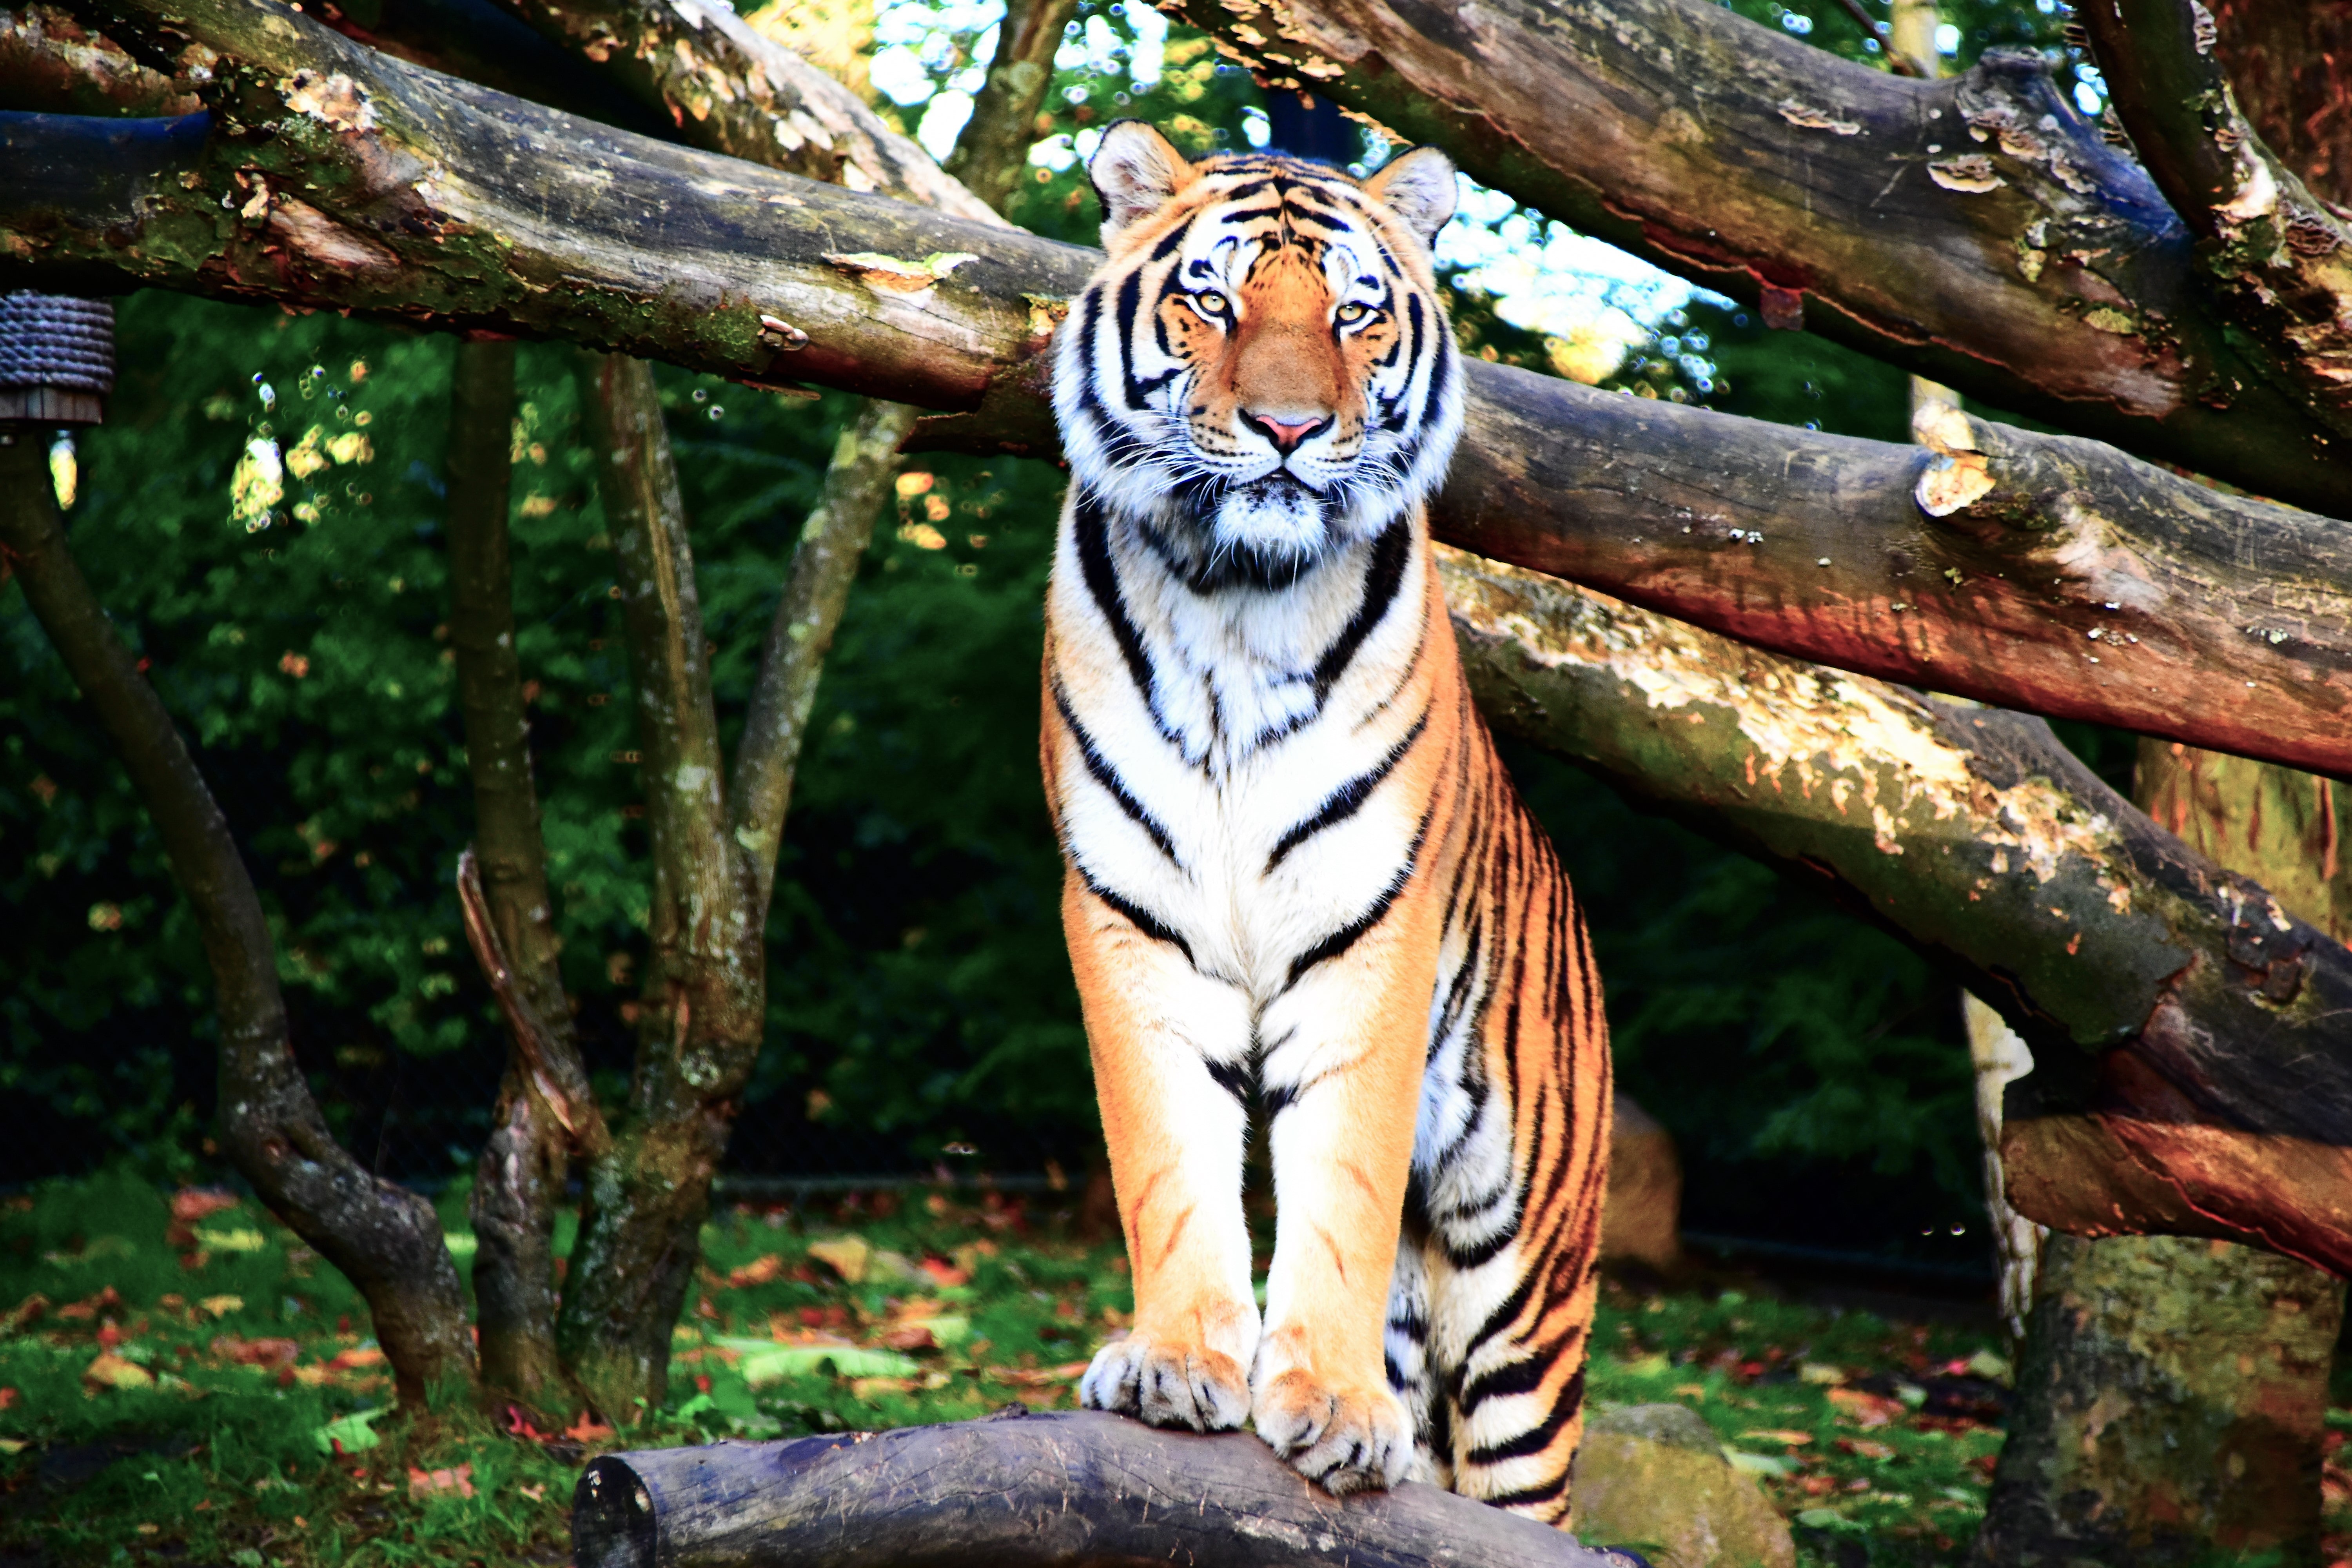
846 1255
29 1311
424 1483
1866 1410
221 1306
89 1306
1781 1434
758 1271
190 1204
357 1355
12 1447
349 1433
1814 1372
112 1370
536 1494
587 1429
909 1337
278 1353
1034 1377
943 1272
1863 1448
7 1398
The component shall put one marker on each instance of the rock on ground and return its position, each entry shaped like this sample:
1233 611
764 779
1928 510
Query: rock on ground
1654 1477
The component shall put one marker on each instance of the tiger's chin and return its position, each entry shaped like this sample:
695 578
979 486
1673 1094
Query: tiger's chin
1263 534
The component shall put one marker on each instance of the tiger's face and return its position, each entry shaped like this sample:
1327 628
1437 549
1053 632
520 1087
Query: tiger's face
1261 372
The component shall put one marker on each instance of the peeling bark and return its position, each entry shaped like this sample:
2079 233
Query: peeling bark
50 63
1974 230
1066 1488
385 1239
545 1108
2162 997
2274 253
749 97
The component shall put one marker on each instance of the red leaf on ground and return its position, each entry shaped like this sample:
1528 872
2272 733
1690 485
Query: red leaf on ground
424 1483
758 1271
587 1429
256 1353
89 1307
943 1272
1866 1410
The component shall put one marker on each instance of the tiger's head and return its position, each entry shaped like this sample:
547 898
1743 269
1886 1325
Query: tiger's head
1261 372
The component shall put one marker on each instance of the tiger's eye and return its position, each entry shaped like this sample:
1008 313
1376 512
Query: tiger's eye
1352 312
1210 301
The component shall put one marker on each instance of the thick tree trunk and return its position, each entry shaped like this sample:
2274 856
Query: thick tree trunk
545 1107
2123 957
385 1239
1975 230
1996 591
2170 1394
1066 1489
2169 1405
705 997
2272 252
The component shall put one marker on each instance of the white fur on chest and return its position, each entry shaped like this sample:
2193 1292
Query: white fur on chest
1235 752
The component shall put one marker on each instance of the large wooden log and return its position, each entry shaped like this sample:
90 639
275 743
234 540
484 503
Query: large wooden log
1072 1489
1975 230
2046 573
2123 957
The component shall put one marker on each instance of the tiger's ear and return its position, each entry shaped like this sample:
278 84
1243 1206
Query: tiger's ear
1135 170
1418 187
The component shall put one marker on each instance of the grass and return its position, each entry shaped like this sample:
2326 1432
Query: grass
168 1386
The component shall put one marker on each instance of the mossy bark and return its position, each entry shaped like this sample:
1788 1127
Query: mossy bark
2172 1393
2169 1404
544 1107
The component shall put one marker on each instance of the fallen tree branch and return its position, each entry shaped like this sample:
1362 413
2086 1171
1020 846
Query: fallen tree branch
2273 248
2166 1001
534 222
385 1239
1974 230
1071 1489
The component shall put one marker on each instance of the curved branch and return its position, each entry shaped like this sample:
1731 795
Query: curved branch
1973 230
51 62
2274 251
2125 959
384 1238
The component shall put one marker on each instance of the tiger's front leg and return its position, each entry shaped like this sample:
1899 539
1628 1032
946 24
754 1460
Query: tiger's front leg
1344 1051
1166 1041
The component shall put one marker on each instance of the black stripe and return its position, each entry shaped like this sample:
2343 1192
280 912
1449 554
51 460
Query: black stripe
1385 576
1397 1379
1110 781
1279 1099
1518 1377
1539 1438
1090 526
1136 916
1131 302
1350 797
1345 937
1170 241
1547 1492
1233 1078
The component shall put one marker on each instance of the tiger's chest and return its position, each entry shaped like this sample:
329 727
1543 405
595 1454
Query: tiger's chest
1227 759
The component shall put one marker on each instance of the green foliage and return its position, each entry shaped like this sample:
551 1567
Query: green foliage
918 997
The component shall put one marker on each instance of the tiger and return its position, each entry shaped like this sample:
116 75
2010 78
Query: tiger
1296 869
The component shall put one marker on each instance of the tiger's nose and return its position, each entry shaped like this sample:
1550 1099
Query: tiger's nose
1287 435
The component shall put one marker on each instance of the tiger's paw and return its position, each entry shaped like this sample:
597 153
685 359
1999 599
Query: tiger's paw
1165 1383
1346 1441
